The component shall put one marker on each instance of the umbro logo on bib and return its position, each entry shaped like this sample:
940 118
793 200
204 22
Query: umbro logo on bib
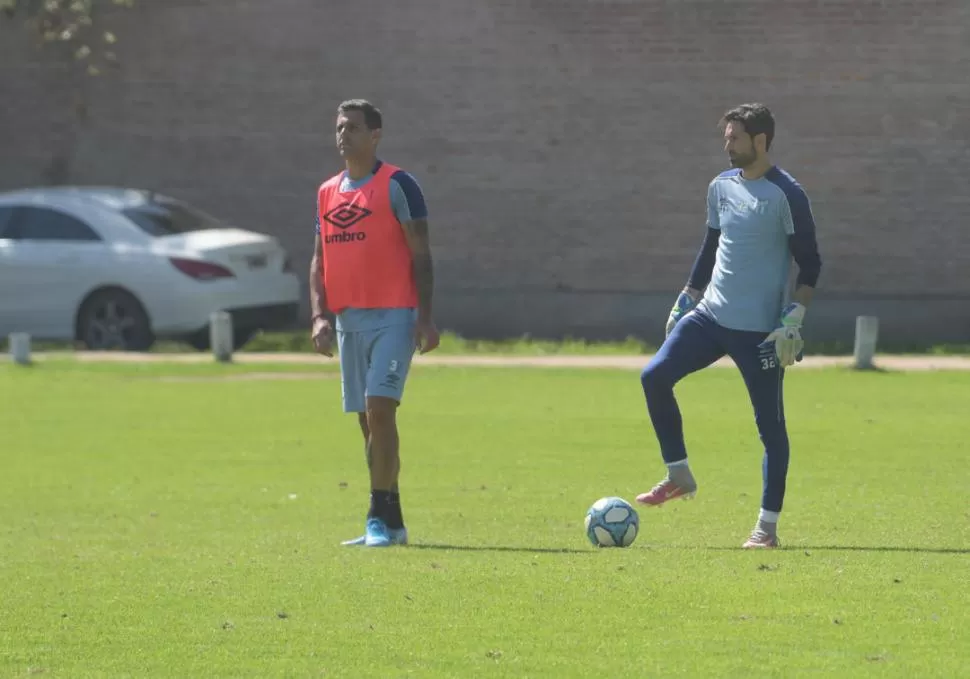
346 215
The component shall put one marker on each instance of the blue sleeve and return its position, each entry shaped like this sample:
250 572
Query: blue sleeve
703 269
799 224
407 199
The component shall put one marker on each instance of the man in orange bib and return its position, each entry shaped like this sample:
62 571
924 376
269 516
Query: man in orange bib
372 270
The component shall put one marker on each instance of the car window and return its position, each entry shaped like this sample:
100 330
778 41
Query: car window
170 218
5 213
44 224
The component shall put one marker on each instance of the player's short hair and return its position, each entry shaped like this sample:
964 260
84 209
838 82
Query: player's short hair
372 114
755 118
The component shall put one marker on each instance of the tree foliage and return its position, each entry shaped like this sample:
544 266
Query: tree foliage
74 26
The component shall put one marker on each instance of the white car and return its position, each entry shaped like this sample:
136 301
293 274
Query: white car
116 268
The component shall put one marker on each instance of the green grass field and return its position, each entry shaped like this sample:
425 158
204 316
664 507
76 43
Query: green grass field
163 521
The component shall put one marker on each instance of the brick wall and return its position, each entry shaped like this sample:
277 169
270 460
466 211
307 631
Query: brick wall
564 146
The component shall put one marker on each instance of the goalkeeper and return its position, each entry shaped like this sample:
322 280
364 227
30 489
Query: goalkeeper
738 303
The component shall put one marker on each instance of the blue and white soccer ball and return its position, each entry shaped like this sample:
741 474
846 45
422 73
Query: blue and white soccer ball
612 522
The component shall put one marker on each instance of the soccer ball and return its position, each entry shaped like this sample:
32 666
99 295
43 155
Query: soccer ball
612 522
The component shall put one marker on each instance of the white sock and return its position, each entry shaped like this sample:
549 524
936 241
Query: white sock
770 517
678 463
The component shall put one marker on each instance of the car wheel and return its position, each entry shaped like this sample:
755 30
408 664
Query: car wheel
114 320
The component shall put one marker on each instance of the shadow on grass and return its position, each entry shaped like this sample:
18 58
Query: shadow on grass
785 548
500 548
854 548
888 548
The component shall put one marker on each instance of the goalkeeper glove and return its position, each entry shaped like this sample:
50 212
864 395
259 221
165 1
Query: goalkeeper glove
788 338
683 304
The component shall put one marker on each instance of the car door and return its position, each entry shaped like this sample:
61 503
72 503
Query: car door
9 303
51 259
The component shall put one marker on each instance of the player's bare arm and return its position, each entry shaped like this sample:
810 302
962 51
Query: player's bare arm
318 296
419 241
321 331
416 232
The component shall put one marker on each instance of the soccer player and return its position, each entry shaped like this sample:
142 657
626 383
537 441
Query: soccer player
372 270
738 302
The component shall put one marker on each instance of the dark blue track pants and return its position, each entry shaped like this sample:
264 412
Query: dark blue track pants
696 342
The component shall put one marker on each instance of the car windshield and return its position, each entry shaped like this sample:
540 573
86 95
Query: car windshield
169 218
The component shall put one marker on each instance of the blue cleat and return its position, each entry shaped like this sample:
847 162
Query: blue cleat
376 534
398 536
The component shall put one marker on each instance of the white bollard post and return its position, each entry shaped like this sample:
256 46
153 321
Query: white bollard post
20 348
220 335
866 335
